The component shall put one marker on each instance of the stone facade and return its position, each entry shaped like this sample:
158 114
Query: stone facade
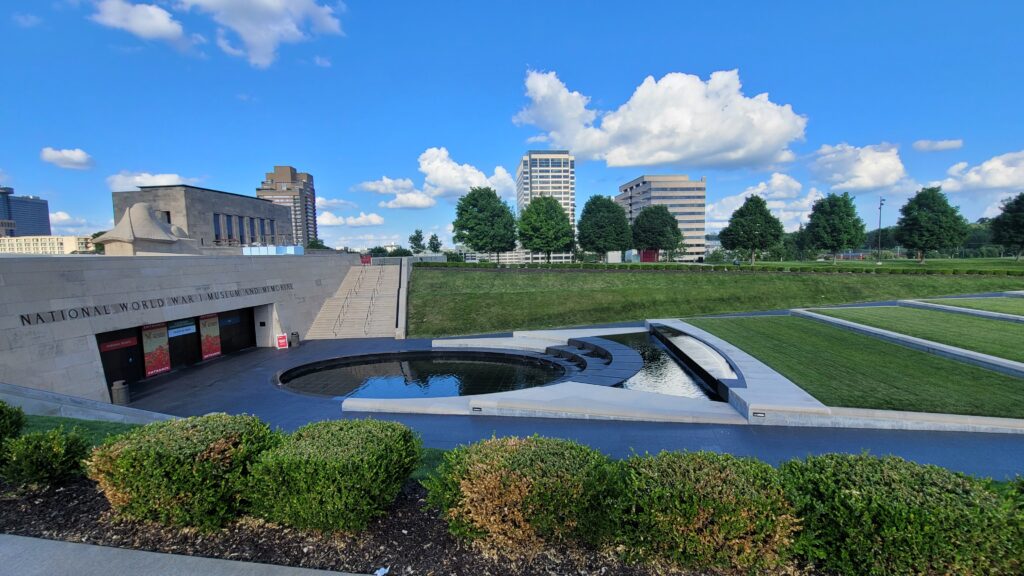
52 308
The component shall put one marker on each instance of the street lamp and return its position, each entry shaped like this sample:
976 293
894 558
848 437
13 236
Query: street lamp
881 202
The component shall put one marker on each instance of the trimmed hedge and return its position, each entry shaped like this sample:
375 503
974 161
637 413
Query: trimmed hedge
189 472
513 495
44 459
12 420
880 516
334 475
704 510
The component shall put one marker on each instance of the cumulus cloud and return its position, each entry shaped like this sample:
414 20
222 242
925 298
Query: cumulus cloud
69 158
64 224
147 21
26 20
322 61
322 202
859 169
263 26
443 177
362 241
327 218
125 180
677 120
938 145
1004 172
782 194
61 218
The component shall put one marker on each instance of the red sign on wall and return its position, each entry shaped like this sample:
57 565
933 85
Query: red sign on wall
155 352
118 344
209 335
282 341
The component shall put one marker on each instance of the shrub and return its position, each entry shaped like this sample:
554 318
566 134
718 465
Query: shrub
702 510
879 516
189 472
334 475
513 495
43 459
12 420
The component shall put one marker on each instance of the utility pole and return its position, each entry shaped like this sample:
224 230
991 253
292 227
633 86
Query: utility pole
881 202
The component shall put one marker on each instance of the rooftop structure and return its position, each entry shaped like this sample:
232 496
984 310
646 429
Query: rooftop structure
294 190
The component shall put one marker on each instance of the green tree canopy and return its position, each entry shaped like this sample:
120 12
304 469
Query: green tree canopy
888 238
1008 227
928 222
752 228
400 251
378 251
604 227
834 224
655 228
316 244
484 223
416 242
544 227
434 244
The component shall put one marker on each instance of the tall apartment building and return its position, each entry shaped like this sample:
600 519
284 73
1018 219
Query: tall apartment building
548 173
52 245
295 190
23 215
683 197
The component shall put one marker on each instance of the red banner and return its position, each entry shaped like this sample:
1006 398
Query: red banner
118 344
155 353
209 334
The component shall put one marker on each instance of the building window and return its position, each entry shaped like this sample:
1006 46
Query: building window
263 230
252 231
273 231
230 227
241 229
216 227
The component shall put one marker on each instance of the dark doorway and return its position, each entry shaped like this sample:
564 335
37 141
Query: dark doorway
121 355
237 330
183 343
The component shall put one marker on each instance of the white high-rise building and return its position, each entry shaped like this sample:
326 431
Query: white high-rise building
547 173
683 197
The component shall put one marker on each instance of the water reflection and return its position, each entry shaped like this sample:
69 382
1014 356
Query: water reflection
661 373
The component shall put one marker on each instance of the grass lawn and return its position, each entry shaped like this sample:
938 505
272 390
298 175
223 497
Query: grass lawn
842 368
1004 305
937 263
995 337
95 430
451 302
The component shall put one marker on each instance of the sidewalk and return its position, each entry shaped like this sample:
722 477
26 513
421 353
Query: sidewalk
36 557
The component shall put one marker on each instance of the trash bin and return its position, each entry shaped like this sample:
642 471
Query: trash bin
119 393
293 340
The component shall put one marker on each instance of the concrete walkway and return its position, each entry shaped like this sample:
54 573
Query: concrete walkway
37 557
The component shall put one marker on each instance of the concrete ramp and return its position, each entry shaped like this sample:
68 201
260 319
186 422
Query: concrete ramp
365 306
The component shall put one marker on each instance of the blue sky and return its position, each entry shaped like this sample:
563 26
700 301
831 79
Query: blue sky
397 107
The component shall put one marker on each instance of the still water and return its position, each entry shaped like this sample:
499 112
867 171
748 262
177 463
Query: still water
661 373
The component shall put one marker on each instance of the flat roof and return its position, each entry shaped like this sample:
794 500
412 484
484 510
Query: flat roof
531 152
142 188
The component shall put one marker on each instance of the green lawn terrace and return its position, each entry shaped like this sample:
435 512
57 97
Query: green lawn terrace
845 369
1002 305
984 264
988 336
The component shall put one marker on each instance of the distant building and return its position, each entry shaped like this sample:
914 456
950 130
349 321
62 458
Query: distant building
683 197
45 244
547 173
214 221
23 215
294 190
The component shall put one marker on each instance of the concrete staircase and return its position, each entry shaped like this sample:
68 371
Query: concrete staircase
365 306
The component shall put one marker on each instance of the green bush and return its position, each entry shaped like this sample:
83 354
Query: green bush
334 475
704 510
42 459
12 420
189 472
880 516
513 495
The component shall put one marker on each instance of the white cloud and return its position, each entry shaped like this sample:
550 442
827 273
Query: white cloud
147 21
125 180
322 202
1004 172
414 199
938 145
70 158
678 120
61 218
361 241
388 185
3 176
782 194
859 169
327 218
322 61
443 177
263 26
64 224
26 20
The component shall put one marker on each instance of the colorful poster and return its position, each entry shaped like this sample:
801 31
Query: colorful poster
154 349
209 333
282 341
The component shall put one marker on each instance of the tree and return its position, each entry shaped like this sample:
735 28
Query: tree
98 248
434 244
655 228
604 227
888 239
1008 227
484 223
400 251
416 242
752 228
928 222
834 224
317 244
378 251
544 227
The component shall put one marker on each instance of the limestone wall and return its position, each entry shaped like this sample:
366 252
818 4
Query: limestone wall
51 308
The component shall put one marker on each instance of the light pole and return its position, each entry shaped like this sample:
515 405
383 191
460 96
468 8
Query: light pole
881 202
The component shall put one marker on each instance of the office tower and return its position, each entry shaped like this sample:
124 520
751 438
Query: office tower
683 197
23 215
293 189
548 173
